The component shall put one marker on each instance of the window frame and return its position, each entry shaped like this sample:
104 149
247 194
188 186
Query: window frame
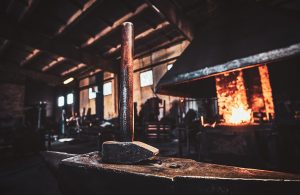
59 102
68 95
148 83
91 97
110 90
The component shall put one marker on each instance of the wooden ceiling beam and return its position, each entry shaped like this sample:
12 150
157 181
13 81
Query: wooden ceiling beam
116 24
13 31
75 18
73 69
167 10
55 62
78 15
31 4
30 56
139 36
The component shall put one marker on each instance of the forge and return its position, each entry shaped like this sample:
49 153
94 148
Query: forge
245 96
228 62
231 41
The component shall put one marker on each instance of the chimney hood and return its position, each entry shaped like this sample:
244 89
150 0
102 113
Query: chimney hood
239 36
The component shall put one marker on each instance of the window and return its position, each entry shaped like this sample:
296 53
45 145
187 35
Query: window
107 88
61 101
169 66
92 92
146 78
85 103
70 98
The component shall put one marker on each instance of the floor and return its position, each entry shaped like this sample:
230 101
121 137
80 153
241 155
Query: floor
27 175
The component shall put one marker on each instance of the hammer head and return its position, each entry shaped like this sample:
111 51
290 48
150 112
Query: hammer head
127 152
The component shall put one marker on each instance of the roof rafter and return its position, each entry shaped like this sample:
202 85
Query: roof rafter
73 69
139 36
31 4
30 56
167 10
77 16
12 31
55 62
28 9
116 24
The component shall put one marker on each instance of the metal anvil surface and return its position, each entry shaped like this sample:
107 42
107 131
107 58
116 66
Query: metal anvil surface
86 174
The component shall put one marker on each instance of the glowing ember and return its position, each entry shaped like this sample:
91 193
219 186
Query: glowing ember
240 115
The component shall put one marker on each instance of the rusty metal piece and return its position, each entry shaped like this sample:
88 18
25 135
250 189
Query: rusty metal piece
126 84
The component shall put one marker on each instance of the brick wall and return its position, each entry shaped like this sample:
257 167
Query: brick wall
11 99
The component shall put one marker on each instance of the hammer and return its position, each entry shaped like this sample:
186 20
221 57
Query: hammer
127 151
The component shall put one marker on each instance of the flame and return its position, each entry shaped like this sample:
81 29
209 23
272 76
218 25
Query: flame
232 98
240 115
266 90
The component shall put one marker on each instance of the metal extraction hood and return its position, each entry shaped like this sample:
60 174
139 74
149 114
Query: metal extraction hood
239 36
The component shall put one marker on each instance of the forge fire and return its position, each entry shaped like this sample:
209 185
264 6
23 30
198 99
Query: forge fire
240 105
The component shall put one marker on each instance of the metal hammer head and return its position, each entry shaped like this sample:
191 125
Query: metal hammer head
127 152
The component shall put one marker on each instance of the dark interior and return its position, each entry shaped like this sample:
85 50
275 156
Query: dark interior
214 108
